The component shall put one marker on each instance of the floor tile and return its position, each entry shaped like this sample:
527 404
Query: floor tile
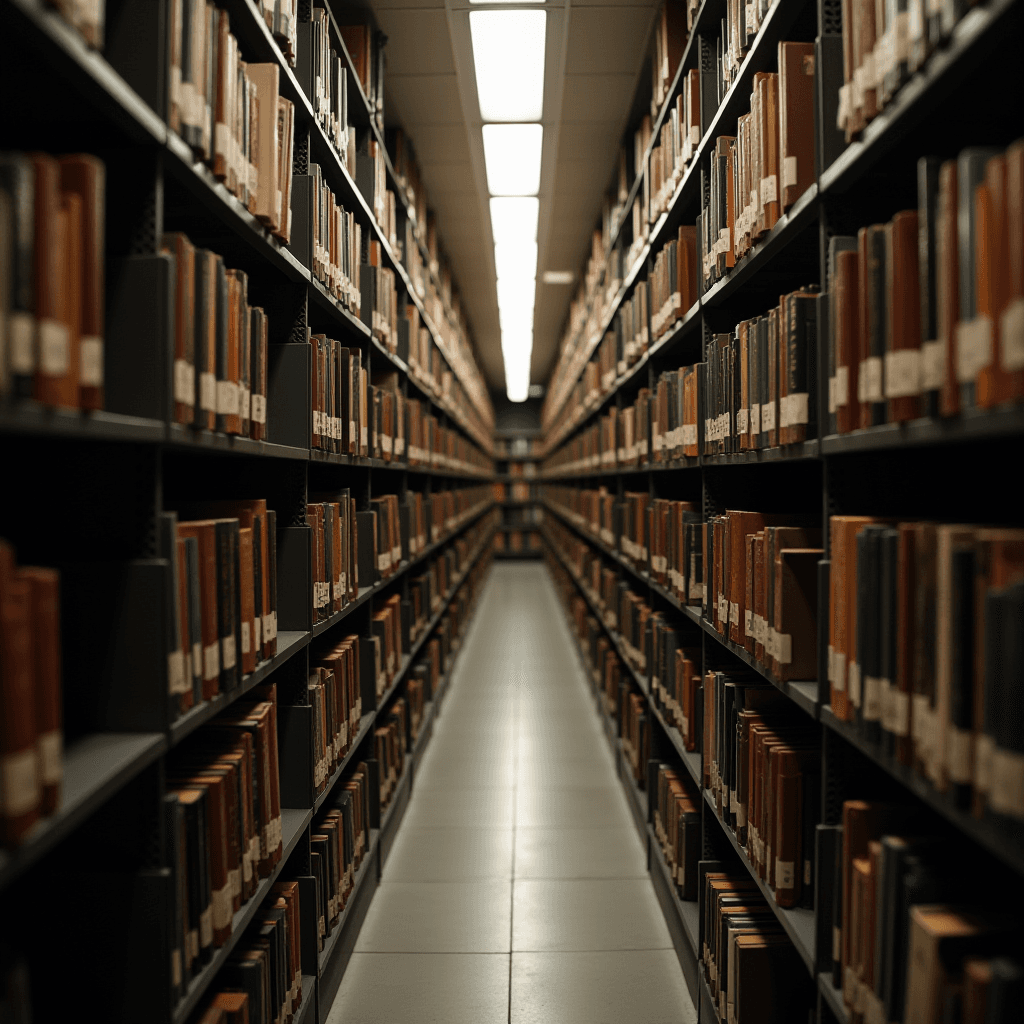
587 807
423 988
579 853
438 917
586 914
449 855
460 808
634 987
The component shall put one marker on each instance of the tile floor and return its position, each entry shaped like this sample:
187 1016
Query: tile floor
517 889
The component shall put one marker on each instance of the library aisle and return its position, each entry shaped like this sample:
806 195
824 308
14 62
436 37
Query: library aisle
517 888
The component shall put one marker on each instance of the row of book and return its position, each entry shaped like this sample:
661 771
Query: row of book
329 83
909 945
517 541
391 746
222 827
761 765
220 344
336 245
924 630
676 819
514 491
758 174
352 550
52 265
335 694
222 557
752 969
31 738
926 312
261 983
230 112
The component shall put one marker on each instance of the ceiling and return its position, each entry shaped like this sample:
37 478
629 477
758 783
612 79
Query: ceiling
594 53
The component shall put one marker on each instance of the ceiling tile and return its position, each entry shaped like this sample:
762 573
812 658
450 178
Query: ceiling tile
418 41
606 40
421 101
444 143
441 179
588 98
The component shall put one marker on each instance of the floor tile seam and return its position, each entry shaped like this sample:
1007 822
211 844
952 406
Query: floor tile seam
616 949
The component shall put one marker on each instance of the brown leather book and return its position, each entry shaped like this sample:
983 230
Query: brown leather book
1011 328
85 176
248 630
233 1006
44 599
223 111
22 795
948 283
796 120
268 199
205 338
53 359
787 848
229 393
896 718
992 287
771 194
204 530
183 378
903 309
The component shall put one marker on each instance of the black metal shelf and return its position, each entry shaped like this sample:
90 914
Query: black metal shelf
29 417
181 436
802 693
834 998
980 831
366 593
289 642
293 826
95 767
797 922
366 723
799 452
923 94
308 999
970 426
686 910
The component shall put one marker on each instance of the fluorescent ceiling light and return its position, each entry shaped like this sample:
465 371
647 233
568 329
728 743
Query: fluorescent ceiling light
514 219
516 259
517 349
558 277
512 157
508 54
516 295
506 1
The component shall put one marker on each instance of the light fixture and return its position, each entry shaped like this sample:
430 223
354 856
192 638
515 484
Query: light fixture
516 259
514 219
508 54
517 350
512 158
558 277
516 295
506 1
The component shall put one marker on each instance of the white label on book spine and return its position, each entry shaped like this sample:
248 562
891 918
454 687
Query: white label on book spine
222 906
244 403
22 352
54 348
1011 336
259 409
794 411
184 382
270 627
842 385
1007 793
785 874
768 416
755 418
207 392
227 398
19 784
853 682
175 673
734 613
902 373
973 348
229 654
246 640
211 661
769 189
869 380
783 648
90 361
872 698
789 175
933 365
50 748
984 751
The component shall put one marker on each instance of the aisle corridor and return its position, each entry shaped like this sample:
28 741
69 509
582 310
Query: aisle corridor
517 888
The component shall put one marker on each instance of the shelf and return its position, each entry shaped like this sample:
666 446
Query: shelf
181 436
970 426
801 214
366 593
369 860
834 998
797 922
980 831
95 767
923 94
29 417
293 825
802 693
289 642
343 315
686 910
799 452
306 1013
365 725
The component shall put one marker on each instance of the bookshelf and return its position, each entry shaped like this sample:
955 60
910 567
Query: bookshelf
517 459
947 469
98 482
